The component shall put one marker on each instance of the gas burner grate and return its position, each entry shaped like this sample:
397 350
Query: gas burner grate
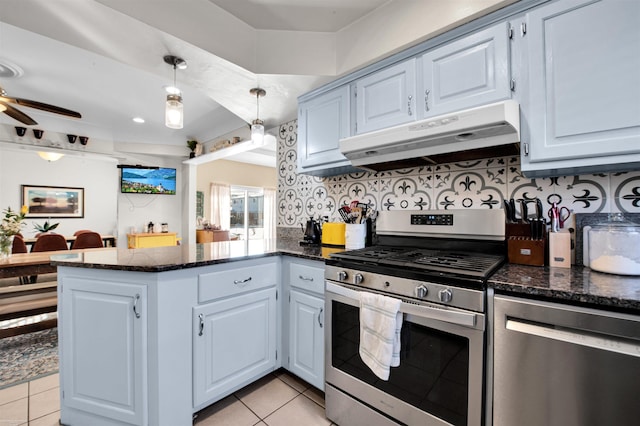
437 260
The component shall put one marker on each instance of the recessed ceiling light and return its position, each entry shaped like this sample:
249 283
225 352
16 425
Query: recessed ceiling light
9 69
138 119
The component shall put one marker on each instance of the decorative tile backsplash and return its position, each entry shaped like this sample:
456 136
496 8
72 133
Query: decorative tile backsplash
474 185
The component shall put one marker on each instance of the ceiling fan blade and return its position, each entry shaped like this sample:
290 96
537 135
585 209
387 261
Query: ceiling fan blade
18 115
42 106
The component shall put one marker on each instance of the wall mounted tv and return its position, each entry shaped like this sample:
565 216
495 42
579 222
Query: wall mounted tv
147 180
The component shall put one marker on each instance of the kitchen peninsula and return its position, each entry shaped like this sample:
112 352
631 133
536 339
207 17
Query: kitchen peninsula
151 336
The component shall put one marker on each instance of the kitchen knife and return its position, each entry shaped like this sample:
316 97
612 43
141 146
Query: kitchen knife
512 204
539 210
507 211
524 214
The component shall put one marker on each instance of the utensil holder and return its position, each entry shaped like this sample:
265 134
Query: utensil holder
355 235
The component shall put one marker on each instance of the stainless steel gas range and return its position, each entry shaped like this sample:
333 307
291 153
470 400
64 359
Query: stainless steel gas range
437 263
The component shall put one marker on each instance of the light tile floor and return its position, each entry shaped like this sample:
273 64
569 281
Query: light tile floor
279 398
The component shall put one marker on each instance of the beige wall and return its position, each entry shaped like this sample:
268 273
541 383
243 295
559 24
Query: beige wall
233 173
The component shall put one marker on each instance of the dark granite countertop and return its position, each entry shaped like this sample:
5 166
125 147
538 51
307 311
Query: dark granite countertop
160 259
577 285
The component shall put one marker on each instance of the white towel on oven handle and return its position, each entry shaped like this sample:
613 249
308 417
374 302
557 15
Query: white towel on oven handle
380 326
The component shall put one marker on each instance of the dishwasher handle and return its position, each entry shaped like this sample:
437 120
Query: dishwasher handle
577 337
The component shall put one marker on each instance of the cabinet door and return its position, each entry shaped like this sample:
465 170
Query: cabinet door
306 338
103 350
322 122
387 97
465 73
584 76
234 343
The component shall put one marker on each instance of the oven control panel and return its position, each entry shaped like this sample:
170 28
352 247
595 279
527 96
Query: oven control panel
432 219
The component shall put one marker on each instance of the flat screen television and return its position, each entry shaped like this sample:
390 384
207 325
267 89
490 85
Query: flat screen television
147 180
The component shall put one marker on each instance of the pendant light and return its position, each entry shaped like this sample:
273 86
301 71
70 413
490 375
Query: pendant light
257 127
174 112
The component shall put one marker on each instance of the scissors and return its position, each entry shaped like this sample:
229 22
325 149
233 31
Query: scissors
560 214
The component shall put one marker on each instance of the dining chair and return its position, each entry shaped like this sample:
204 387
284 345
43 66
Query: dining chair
19 246
87 239
48 242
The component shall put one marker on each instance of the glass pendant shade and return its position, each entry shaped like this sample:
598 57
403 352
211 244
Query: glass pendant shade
257 132
174 113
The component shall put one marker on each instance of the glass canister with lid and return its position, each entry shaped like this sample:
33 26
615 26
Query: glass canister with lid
613 246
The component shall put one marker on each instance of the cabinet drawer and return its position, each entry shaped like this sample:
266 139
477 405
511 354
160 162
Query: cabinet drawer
307 277
226 283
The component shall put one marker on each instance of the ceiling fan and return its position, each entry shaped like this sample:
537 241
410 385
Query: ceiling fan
24 118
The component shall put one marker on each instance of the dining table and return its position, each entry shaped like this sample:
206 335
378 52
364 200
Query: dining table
35 263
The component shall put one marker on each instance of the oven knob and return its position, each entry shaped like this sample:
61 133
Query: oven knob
357 279
342 276
422 291
445 295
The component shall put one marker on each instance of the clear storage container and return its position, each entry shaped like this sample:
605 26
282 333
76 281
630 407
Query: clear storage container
613 246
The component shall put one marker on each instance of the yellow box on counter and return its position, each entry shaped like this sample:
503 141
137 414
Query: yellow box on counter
333 234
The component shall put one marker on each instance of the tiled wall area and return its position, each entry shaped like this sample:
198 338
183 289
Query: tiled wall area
476 184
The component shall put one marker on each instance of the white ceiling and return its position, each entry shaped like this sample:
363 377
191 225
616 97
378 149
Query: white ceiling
299 15
103 59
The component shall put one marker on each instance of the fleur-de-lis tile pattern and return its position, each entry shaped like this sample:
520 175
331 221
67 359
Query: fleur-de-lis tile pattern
478 184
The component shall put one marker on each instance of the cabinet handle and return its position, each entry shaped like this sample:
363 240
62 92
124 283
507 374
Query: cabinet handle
242 283
426 99
303 278
201 327
409 104
135 305
319 315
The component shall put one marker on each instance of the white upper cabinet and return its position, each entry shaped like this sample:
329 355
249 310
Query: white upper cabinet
322 122
386 98
584 87
468 72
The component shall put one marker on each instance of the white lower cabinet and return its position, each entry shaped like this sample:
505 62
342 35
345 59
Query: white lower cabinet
103 342
306 337
303 321
234 343
154 348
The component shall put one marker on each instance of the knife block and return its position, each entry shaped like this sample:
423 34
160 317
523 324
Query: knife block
521 248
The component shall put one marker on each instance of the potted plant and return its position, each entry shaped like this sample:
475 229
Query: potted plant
192 144
10 225
47 227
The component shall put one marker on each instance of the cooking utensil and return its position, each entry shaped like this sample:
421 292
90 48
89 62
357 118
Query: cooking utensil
344 213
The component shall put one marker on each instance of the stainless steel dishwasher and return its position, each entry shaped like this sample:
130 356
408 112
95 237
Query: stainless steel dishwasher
564 365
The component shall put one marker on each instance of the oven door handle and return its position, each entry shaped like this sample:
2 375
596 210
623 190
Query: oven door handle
468 319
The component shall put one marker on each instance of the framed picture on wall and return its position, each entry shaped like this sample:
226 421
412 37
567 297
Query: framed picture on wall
53 201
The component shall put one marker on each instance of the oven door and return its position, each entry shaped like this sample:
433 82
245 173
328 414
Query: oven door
440 377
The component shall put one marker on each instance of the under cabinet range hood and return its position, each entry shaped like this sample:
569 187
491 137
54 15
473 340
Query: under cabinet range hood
487 131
